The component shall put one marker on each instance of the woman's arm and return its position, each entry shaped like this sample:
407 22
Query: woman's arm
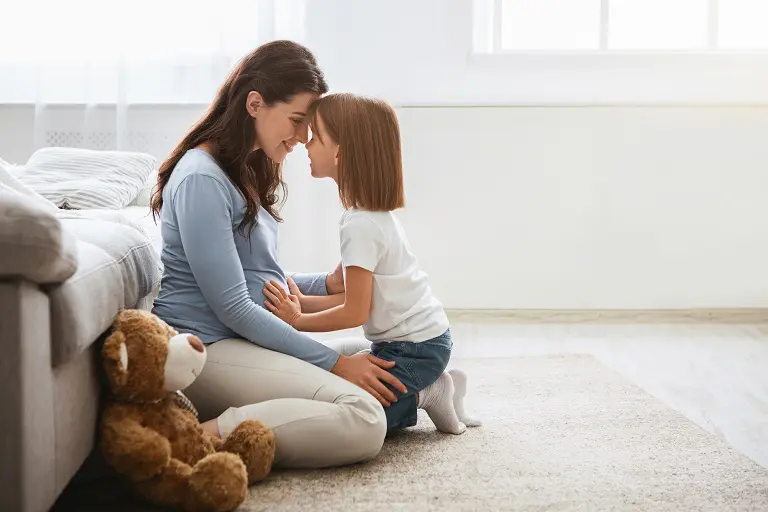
311 284
353 312
321 284
204 214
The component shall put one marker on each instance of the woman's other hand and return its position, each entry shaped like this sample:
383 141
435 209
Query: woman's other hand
285 306
334 282
369 372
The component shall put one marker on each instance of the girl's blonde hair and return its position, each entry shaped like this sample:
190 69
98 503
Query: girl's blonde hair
370 171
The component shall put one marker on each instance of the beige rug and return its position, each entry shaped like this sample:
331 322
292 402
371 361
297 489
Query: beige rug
561 433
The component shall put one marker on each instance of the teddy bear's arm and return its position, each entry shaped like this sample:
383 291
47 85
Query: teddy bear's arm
133 450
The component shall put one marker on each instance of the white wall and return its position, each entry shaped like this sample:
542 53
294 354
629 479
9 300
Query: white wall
590 207
552 207
563 198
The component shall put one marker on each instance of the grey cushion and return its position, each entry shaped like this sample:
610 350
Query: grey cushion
117 267
33 245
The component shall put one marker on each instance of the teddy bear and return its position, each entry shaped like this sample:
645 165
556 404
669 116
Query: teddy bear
159 445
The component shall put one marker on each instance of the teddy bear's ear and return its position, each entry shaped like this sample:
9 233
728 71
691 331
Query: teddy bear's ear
115 356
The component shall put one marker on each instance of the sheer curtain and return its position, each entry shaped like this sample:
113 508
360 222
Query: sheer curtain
100 73
135 75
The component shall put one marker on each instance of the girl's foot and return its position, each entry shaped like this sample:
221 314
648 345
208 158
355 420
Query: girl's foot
460 390
437 400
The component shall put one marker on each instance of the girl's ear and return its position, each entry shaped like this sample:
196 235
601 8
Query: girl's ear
336 157
253 103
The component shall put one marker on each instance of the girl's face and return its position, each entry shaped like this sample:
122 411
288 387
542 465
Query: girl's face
323 152
280 127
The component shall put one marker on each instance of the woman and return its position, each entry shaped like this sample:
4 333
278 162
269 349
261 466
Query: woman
217 202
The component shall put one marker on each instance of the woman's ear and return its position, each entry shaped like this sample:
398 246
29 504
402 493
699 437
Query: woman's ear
253 103
336 157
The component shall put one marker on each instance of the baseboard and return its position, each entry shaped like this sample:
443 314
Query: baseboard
572 316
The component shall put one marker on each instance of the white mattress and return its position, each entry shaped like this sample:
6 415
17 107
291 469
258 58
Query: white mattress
143 216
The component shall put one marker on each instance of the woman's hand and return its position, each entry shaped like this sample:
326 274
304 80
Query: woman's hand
368 372
285 306
334 282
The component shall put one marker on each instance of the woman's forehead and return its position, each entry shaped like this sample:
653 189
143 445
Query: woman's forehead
299 104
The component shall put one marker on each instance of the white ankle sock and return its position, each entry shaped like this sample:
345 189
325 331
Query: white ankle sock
460 390
437 400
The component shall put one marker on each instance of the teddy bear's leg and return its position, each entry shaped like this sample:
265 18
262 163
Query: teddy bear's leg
169 488
217 483
255 444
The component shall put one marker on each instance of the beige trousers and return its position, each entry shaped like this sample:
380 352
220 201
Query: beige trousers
319 419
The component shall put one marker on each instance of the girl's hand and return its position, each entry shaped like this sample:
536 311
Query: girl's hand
285 306
293 289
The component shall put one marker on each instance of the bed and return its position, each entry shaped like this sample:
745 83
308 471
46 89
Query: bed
142 215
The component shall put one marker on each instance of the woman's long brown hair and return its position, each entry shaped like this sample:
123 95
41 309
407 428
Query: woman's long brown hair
278 71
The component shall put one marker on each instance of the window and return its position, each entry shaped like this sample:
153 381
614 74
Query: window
603 26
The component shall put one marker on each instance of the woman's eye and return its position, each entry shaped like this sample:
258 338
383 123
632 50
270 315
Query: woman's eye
297 121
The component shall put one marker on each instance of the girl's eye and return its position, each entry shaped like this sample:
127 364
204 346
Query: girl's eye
296 121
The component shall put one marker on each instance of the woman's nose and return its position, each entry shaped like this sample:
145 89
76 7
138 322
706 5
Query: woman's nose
196 343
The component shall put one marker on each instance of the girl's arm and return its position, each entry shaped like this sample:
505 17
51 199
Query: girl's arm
353 312
310 304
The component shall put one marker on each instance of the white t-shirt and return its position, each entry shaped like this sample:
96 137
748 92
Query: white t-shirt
403 307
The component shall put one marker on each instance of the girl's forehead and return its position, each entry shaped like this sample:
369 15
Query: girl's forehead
317 123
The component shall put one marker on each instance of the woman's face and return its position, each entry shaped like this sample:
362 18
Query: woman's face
281 126
323 152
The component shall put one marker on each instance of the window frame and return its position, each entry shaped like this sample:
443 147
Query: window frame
492 31
619 76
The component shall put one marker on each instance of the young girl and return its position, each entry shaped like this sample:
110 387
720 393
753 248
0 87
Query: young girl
356 142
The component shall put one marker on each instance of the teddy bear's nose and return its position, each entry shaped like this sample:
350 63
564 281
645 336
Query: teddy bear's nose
196 343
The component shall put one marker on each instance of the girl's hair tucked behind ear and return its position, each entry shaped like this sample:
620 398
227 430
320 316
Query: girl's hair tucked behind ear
278 71
370 170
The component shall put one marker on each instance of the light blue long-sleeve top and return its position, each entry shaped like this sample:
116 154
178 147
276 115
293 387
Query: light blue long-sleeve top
214 275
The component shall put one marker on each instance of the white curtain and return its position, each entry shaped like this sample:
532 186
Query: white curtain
134 76
99 71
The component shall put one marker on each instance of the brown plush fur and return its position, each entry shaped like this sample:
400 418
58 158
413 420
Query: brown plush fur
253 441
161 447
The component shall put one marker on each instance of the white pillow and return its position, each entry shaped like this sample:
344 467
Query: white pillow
80 179
145 194
9 182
